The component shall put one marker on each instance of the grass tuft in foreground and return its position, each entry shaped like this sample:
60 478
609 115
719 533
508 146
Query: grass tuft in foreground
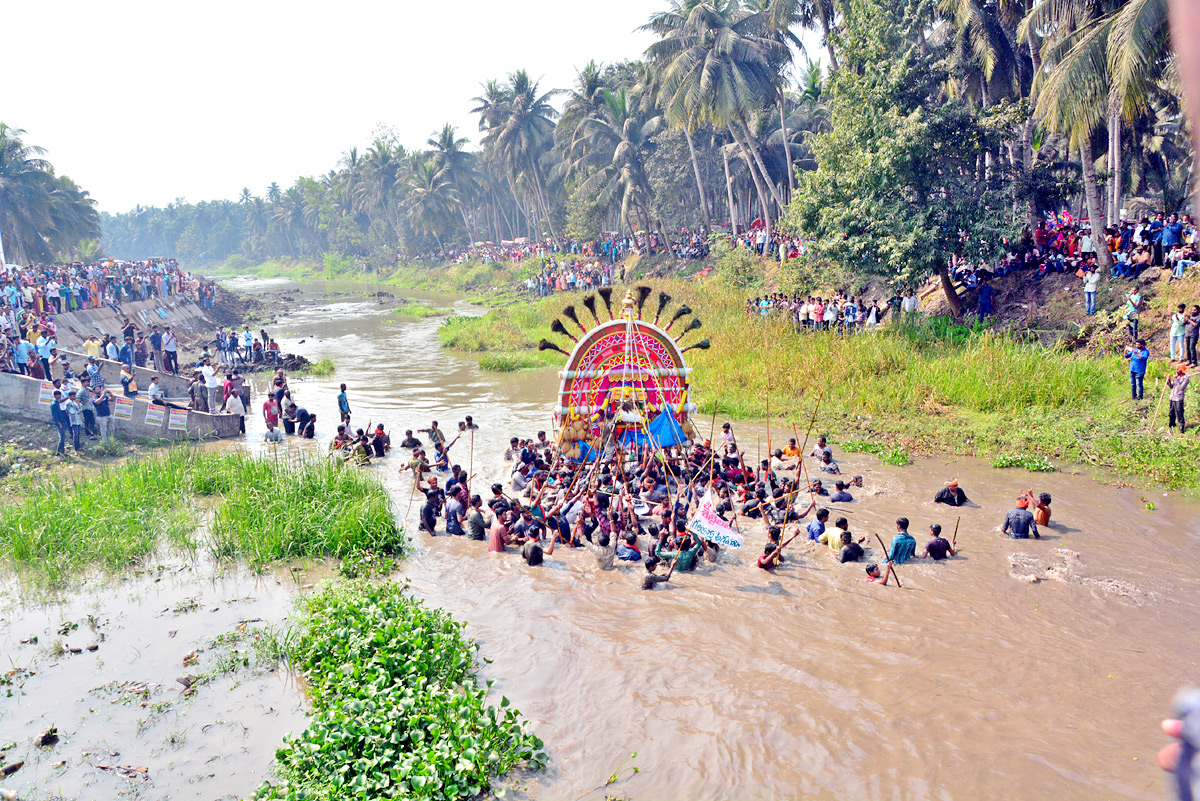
261 510
397 711
320 368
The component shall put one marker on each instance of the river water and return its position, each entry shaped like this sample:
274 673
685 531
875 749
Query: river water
1021 669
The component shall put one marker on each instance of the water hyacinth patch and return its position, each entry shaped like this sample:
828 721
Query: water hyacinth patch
397 711
1033 462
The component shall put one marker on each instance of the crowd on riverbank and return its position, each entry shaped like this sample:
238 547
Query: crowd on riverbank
62 288
841 313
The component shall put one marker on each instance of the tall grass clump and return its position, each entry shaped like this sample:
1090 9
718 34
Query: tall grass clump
318 508
260 510
397 709
418 311
320 368
113 520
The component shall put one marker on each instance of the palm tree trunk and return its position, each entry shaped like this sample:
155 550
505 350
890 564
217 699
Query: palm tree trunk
752 148
543 195
1095 212
729 192
826 12
699 182
763 200
787 148
1114 164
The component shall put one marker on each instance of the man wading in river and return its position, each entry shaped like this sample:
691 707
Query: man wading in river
1019 522
344 406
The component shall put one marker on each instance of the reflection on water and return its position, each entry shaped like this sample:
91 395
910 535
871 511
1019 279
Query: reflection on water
1018 670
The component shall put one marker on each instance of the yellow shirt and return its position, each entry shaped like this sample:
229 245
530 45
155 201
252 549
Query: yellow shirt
833 538
92 347
791 452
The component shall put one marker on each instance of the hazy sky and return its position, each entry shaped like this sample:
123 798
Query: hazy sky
145 102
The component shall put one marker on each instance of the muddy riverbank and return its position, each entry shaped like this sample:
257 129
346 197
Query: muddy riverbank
812 682
174 701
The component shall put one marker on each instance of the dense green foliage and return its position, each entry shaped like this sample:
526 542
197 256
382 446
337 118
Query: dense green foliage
43 216
397 711
260 510
898 189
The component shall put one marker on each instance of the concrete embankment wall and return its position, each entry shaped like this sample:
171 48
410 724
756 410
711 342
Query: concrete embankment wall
185 317
172 386
19 397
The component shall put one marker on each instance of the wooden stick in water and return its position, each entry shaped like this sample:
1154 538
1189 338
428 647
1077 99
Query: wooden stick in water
955 538
891 568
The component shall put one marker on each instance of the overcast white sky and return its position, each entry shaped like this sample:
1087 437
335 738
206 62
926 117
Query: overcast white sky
144 102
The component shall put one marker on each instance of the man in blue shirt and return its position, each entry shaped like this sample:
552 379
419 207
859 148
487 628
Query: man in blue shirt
1156 238
1172 233
817 527
344 406
23 351
985 298
126 353
1138 355
156 345
62 422
903 545
1019 522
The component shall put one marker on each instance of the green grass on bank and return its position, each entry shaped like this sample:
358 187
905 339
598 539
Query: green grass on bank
397 710
933 388
256 509
419 311
499 279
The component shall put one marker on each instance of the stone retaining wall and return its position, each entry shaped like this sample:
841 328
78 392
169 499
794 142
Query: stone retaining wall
19 398
185 317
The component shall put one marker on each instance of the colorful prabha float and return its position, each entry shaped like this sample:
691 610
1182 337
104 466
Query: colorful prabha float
626 383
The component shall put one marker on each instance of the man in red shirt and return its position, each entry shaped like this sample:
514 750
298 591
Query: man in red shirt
270 410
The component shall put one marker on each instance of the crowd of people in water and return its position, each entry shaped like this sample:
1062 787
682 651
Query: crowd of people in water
637 504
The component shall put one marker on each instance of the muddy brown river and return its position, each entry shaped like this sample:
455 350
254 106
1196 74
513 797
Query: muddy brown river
1020 669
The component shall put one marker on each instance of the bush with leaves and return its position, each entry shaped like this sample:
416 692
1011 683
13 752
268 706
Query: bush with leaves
397 711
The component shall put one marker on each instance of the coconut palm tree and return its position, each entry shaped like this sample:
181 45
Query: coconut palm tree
42 215
431 204
611 147
518 123
1104 58
716 63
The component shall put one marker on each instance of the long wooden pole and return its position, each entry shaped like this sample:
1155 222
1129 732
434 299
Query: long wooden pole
955 538
471 466
803 467
891 568
768 430
712 449
1157 406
